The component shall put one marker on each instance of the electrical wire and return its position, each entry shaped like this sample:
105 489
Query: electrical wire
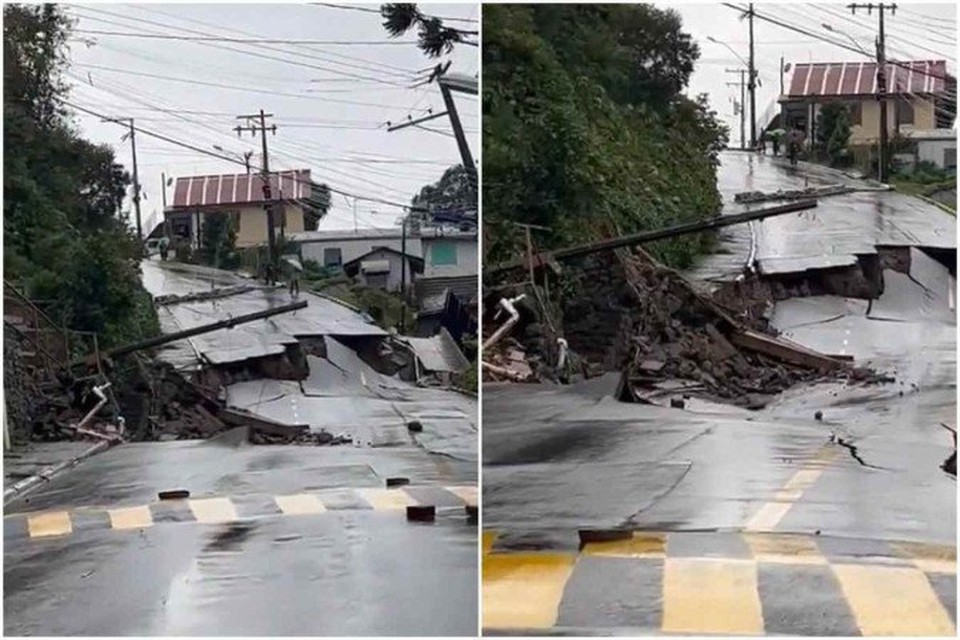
243 51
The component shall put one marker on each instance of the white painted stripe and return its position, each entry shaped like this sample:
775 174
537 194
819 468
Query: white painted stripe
843 75
873 87
823 85
203 191
806 83
856 89
189 191
236 181
249 188
220 180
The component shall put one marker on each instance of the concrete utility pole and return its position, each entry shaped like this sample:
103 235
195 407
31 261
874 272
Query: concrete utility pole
883 165
136 178
752 86
403 272
262 129
743 109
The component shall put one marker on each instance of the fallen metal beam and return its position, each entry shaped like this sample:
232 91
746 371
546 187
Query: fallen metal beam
784 351
189 333
657 234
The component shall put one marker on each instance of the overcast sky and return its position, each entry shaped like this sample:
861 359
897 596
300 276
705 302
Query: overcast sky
918 31
330 101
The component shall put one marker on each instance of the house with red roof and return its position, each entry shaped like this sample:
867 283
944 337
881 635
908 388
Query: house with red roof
921 96
241 196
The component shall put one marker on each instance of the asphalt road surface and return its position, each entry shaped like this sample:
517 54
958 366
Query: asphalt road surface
274 540
744 522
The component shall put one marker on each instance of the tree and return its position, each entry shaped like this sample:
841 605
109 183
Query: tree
219 241
65 238
833 132
450 199
436 38
586 129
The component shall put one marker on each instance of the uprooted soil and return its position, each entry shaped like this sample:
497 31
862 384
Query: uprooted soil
629 313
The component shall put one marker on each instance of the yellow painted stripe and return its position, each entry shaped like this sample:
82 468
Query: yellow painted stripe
784 549
131 518
387 499
707 596
523 590
771 513
299 504
488 539
893 601
930 558
213 510
466 493
642 544
54 523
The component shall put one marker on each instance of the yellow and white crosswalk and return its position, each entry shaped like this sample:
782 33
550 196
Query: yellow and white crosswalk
781 584
224 509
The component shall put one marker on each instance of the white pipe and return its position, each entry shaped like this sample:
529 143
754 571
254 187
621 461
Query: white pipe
99 392
562 359
506 304
503 371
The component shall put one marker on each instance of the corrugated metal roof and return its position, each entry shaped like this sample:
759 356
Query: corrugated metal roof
860 78
239 188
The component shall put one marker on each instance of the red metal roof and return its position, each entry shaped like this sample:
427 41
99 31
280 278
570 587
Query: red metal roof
239 188
860 78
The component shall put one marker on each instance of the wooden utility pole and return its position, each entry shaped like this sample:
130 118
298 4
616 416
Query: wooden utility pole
883 165
743 107
262 129
752 86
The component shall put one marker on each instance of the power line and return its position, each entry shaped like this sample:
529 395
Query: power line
230 86
245 52
226 158
835 43
330 5
157 36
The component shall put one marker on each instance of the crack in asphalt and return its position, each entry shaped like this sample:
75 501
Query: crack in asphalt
853 449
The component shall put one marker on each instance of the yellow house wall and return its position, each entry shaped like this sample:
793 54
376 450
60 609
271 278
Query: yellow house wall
253 224
924 117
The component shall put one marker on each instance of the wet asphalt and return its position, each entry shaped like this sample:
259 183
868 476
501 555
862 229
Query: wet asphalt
561 459
230 561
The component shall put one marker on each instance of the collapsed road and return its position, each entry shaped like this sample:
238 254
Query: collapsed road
373 533
821 511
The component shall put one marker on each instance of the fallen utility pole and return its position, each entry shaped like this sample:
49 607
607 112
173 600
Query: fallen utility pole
189 333
659 234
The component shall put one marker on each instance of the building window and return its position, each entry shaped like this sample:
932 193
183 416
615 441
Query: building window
950 158
856 114
443 253
904 111
332 257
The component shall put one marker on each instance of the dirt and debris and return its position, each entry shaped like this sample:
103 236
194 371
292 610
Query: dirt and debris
202 296
626 312
750 197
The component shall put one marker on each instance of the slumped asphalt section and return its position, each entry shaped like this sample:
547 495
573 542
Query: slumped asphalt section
558 459
349 570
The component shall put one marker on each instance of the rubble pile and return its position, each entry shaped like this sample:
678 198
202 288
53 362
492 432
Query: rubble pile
807 193
679 334
623 311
